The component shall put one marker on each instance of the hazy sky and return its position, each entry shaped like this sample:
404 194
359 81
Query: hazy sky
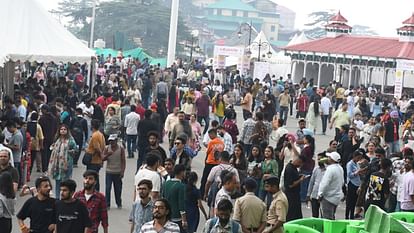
383 16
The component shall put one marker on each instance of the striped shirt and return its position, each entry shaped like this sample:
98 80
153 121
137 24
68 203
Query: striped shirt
169 227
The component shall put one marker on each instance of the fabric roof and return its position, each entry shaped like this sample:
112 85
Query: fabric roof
135 53
359 46
30 33
232 5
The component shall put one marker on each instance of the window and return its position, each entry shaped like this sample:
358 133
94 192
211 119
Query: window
245 14
218 11
273 28
234 13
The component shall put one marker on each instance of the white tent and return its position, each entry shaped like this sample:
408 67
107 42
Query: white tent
29 33
299 39
265 47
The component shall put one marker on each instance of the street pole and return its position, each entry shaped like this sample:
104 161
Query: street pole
259 45
191 49
92 24
172 40
250 32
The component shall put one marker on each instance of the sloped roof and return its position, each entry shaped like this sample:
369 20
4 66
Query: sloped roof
232 5
358 46
409 20
338 18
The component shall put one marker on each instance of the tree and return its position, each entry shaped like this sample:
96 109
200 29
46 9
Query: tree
315 28
363 30
148 20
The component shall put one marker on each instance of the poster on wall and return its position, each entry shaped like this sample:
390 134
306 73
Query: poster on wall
260 70
402 66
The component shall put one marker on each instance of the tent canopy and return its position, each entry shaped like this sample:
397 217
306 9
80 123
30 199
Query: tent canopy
30 33
135 53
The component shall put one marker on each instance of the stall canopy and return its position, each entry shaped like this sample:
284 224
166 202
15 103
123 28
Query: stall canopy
30 33
134 53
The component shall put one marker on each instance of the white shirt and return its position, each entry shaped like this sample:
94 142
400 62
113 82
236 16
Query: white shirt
326 105
153 176
330 187
85 109
131 123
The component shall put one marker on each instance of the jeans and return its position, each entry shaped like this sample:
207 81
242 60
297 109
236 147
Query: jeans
220 119
351 198
284 113
393 147
36 156
19 171
324 123
78 153
131 145
266 197
117 181
392 203
328 209
206 121
247 148
95 167
206 172
304 185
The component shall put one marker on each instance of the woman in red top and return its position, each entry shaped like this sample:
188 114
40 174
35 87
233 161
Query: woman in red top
308 165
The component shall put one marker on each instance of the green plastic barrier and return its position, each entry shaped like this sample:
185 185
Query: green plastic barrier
294 228
403 216
335 226
314 223
354 228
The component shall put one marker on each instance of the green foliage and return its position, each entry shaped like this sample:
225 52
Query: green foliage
148 20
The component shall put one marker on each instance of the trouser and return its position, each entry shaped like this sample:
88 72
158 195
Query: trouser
78 153
141 156
45 157
206 171
284 113
315 207
206 122
131 145
117 181
247 148
392 203
19 172
304 185
6 225
324 123
393 147
291 106
351 199
245 112
338 102
36 156
302 114
95 167
328 209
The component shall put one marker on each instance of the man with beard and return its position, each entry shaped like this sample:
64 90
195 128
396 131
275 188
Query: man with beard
222 223
183 126
142 209
161 223
154 146
71 214
39 209
276 215
144 127
94 201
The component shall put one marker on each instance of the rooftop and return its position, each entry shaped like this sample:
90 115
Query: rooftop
358 46
338 18
232 5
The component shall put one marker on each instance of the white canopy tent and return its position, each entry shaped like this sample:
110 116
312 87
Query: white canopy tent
29 33
299 39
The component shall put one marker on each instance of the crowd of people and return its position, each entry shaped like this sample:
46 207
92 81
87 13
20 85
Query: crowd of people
256 174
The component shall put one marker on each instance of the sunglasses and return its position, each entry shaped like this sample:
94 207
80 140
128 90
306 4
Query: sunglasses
177 143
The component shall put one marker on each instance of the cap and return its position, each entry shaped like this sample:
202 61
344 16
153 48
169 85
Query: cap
272 180
112 137
394 114
335 156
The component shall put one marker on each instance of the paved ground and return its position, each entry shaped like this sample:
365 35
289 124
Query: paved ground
118 218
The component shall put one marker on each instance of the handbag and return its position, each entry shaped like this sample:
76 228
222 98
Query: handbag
87 159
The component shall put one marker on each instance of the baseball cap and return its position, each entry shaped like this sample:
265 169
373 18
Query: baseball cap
335 156
112 137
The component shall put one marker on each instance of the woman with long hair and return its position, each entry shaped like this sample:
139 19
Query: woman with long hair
313 117
193 203
7 202
269 168
239 161
112 123
308 165
61 159
254 164
196 127
219 107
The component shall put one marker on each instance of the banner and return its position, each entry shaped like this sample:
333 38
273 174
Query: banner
402 66
260 70
228 51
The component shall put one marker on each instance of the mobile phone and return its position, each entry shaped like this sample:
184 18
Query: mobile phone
307 176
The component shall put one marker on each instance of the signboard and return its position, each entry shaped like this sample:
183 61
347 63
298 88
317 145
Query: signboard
402 66
221 52
243 64
260 70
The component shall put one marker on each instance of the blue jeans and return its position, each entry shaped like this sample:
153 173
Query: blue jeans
19 171
284 111
393 147
117 181
131 145
324 122
206 121
304 185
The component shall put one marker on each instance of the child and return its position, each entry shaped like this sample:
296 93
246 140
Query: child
358 123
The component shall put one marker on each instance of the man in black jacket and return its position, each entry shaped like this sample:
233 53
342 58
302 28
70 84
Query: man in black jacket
79 132
144 127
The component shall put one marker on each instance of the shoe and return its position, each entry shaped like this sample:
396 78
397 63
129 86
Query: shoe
120 207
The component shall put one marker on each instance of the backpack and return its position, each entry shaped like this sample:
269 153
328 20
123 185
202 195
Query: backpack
77 129
234 225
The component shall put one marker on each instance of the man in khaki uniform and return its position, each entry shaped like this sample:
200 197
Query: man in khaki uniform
276 215
249 210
